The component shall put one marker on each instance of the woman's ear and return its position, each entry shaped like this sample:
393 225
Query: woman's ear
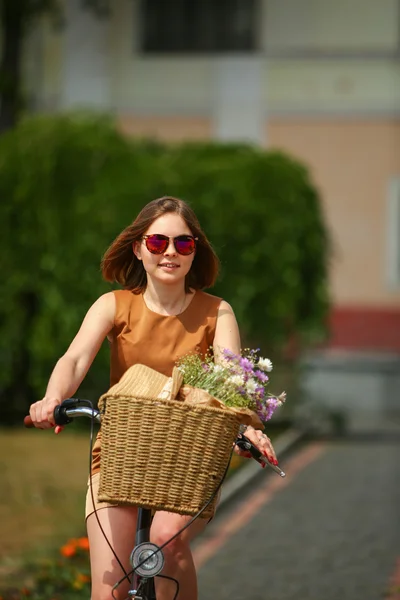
136 250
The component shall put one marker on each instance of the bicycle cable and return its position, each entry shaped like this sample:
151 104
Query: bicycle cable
143 582
175 581
126 575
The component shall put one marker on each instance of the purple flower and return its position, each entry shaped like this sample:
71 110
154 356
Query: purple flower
261 376
228 354
246 364
265 410
254 351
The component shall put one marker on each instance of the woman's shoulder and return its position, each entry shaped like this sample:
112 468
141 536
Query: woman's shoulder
103 308
214 301
105 301
208 298
205 305
127 303
126 297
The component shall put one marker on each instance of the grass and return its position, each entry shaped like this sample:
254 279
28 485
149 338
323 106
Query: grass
43 480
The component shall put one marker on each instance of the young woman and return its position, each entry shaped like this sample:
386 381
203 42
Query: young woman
163 261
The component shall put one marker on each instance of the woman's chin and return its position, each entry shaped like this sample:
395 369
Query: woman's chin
168 278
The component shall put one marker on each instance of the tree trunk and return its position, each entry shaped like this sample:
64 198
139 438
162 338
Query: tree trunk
12 20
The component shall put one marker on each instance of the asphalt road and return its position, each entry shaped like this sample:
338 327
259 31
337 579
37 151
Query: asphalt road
331 531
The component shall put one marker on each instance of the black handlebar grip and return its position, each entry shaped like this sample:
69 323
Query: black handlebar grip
60 415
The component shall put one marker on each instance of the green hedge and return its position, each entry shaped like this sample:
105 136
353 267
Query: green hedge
69 184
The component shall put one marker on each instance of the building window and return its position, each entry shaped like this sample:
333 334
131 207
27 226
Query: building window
188 26
393 237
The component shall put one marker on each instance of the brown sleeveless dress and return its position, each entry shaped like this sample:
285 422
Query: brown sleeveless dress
141 336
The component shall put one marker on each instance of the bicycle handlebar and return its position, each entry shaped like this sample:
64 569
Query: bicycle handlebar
65 412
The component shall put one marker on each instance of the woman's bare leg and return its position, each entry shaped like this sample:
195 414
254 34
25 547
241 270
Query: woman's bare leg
119 525
178 556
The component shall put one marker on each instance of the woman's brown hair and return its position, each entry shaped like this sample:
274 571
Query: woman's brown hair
120 264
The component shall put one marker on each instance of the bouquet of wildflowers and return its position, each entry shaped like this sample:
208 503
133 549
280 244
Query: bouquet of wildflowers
239 381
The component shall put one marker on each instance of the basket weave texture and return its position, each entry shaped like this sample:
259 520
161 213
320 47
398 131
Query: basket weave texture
161 453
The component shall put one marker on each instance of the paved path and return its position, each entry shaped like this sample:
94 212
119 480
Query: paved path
329 531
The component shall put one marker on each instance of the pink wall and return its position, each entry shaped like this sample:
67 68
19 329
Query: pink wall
351 163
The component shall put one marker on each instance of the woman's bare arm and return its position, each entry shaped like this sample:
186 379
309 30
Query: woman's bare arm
227 334
72 367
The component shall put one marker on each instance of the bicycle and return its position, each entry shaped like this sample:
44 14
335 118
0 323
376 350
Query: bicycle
146 559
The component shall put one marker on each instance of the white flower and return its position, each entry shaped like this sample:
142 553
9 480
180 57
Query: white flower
282 397
251 385
218 368
236 380
265 364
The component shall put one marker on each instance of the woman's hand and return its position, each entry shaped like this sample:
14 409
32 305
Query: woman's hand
42 413
262 442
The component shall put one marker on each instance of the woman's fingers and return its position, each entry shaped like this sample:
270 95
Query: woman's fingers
35 412
263 443
244 453
42 413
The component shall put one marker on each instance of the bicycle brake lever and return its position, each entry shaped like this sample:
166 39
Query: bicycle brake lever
73 402
245 444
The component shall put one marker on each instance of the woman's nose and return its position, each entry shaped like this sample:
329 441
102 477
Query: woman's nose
171 247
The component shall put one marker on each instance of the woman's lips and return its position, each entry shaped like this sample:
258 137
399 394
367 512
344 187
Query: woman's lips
169 266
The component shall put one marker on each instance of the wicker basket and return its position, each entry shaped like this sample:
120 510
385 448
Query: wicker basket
163 454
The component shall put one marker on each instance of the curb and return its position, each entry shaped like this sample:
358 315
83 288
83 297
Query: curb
246 474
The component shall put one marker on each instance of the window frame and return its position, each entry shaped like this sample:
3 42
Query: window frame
191 45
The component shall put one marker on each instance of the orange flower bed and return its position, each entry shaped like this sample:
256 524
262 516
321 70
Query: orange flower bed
73 545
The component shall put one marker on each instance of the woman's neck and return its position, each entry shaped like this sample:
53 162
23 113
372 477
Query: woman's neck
168 300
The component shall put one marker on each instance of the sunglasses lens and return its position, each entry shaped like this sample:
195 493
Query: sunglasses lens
185 244
156 244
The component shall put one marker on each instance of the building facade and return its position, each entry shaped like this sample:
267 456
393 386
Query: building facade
315 78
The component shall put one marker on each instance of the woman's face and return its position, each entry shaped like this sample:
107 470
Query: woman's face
169 267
